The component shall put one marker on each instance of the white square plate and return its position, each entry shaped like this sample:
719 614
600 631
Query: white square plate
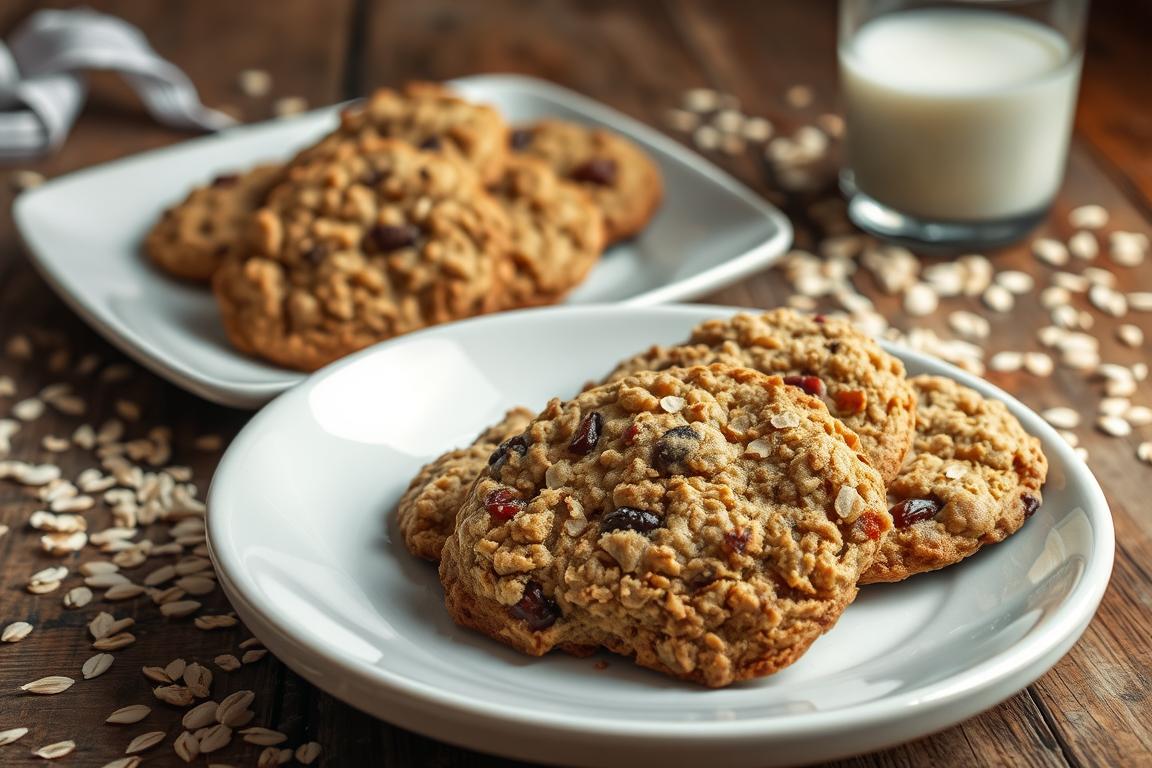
302 530
84 232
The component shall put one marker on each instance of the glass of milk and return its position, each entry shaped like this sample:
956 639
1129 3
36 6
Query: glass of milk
958 114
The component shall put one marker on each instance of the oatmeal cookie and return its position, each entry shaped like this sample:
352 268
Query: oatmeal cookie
192 238
427 510
557 232
862 384
711 522
430 117
623 181
973 478
377 240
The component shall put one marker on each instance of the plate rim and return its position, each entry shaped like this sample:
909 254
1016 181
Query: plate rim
253 394
1019 661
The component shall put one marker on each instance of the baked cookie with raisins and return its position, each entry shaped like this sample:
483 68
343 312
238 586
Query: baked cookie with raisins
974 478
863 386
556 232
372 241
193 237
427 510
709 522
622 180
430 117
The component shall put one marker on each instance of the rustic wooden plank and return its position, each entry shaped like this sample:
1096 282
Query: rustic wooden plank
1115 91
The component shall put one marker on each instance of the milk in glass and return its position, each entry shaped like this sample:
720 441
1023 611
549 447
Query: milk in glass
958 114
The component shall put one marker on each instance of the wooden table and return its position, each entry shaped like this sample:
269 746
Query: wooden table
1091 709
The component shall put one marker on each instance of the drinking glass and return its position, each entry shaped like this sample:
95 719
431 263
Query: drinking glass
958 115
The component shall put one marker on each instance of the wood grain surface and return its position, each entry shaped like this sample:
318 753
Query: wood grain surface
1090 710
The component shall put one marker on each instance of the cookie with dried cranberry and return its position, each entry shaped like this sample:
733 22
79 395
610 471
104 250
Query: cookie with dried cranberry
193 237
863 386
710 522
376 240
430 117
427 510
557 232
623 181
974 478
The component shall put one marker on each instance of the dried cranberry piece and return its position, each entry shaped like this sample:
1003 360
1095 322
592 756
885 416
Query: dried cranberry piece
432 143
599 170
587 434
871 525
226 180
502 504
384 238
736 540
519 444
673 447
631 433
913 511
629 519
535 609
821 319
1031 504
520 138
810 384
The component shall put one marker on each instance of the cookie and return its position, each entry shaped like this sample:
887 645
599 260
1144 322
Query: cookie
623 181
862 384
973 478
374 241
710 522
193 237
429 117
427 510
557 232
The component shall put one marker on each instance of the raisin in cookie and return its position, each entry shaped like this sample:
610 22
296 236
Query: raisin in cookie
710 522
429 117
376 240
623 181
557 232
427 510
862 384
973 478
192 238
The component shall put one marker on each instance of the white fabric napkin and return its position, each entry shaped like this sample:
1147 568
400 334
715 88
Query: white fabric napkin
42 87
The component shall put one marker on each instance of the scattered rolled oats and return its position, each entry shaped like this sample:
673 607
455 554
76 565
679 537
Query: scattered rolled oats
144 742
307 753
1116 426
1088 217
129 715
289 106
97 665
227 662
15 632
187 747
254 83
55 751
49 686
12 735
1083 245
1130 335
265 737
1062 418
77 597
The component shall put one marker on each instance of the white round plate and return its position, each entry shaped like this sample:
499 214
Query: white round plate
300 527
